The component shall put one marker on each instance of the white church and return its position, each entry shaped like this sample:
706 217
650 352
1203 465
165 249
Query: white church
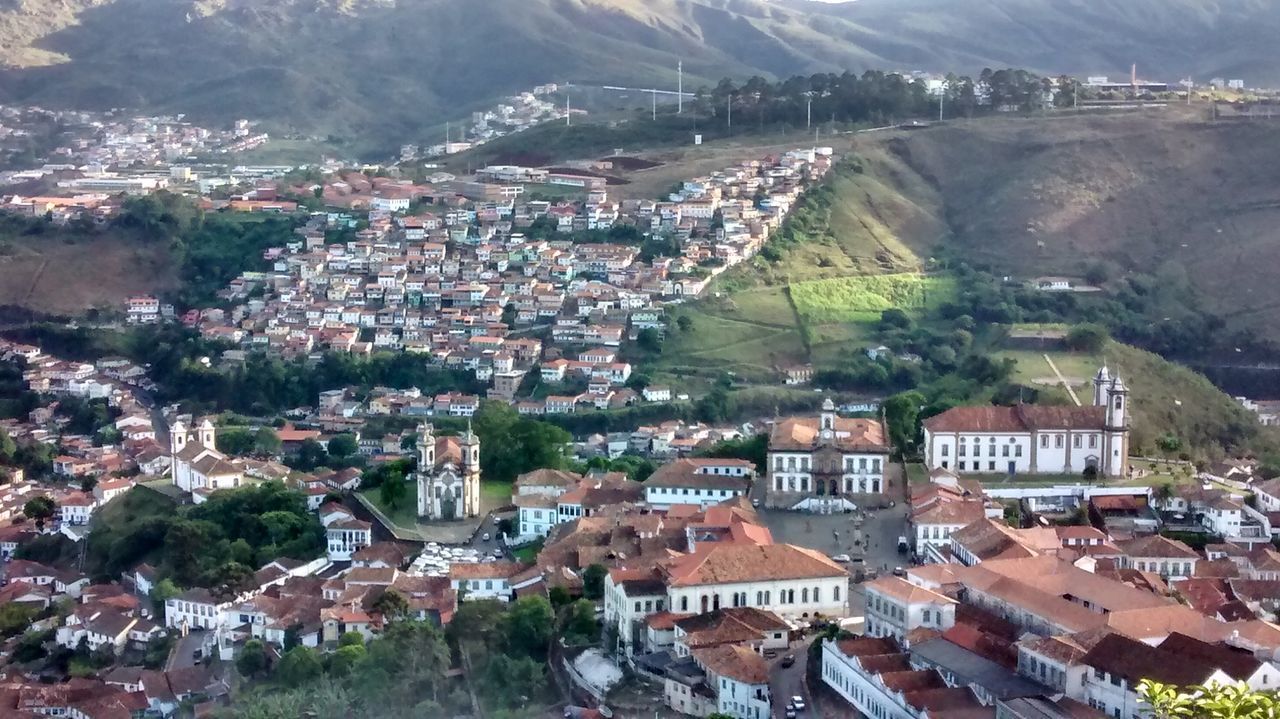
196 464
1035 439
448 475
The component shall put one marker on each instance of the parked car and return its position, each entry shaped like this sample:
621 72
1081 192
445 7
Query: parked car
788 661
484 537
842 558
899 572
797 703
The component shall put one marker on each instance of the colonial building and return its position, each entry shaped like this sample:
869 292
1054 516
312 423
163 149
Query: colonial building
1035 439
197 465
448 489
821 461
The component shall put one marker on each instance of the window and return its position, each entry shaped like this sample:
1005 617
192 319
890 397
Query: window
1057 441
962 449
946 450
804 594
1119 403
1076 441
862 463
684 604
875 465
1004 451
835 595
1093 441
961 466
991 466
1044 441
1017 451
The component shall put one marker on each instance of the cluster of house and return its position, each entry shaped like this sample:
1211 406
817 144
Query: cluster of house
513 114
98 158
1045 622
440 283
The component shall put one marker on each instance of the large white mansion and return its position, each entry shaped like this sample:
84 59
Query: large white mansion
825 459
1035 439
448 475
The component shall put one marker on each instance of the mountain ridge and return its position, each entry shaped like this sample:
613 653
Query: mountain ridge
368 67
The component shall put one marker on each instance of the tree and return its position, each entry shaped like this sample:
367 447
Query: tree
392 492
8 448
162 592
1214 701
1087 338
593 581
391 605
345 658
528 626
311 454
351 639
902 415
579 625
1161 494
39 509
266 441
301 665
252 660
343 445
650 340
685 323
14 618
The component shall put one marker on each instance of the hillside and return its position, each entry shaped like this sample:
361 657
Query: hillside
388 69
1166 195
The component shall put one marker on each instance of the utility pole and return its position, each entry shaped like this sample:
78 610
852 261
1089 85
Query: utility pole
680 87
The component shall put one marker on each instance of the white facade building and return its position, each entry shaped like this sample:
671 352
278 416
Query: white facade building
1035 439
826 458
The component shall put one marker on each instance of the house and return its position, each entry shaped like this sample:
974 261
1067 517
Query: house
483 581
1035 439
876 677
737 675
1118 663
656 393
195 609
895 607
345 537
1169 558
822 460
698 481
790 581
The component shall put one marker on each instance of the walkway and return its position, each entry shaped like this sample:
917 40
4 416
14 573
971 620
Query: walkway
1062 380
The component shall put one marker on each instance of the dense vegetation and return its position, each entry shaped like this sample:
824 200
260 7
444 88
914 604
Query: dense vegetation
209 250
405 672
217 544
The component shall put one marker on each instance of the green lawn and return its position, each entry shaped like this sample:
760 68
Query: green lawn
862 299
917 473
1077 367
494 494
406 513
529 552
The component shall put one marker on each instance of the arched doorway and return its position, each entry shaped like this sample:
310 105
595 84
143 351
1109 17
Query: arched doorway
835 487
448 504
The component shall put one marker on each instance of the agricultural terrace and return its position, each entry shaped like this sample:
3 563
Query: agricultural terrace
862 299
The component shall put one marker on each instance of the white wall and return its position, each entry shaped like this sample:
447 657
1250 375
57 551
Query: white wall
664 497
870 700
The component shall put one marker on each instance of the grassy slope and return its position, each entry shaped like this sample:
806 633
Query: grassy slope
748 322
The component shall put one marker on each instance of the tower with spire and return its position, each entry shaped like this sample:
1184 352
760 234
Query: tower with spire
1111 393
448 475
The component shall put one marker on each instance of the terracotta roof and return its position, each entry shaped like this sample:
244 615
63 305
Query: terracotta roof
736 563
481 570
547 478
1182 662
1019 418
1159 547
736 662
685 473
803 433
951 512
905 591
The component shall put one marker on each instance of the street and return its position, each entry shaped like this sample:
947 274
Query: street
184 649
787 682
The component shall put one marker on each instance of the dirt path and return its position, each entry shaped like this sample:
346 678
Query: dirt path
1063 380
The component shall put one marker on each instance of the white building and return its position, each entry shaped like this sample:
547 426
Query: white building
483 581
876 677
196 464
1118 664
895 606
1169 558
1035 439
792 582
446 491
825 458
347 536
701 482
195 609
